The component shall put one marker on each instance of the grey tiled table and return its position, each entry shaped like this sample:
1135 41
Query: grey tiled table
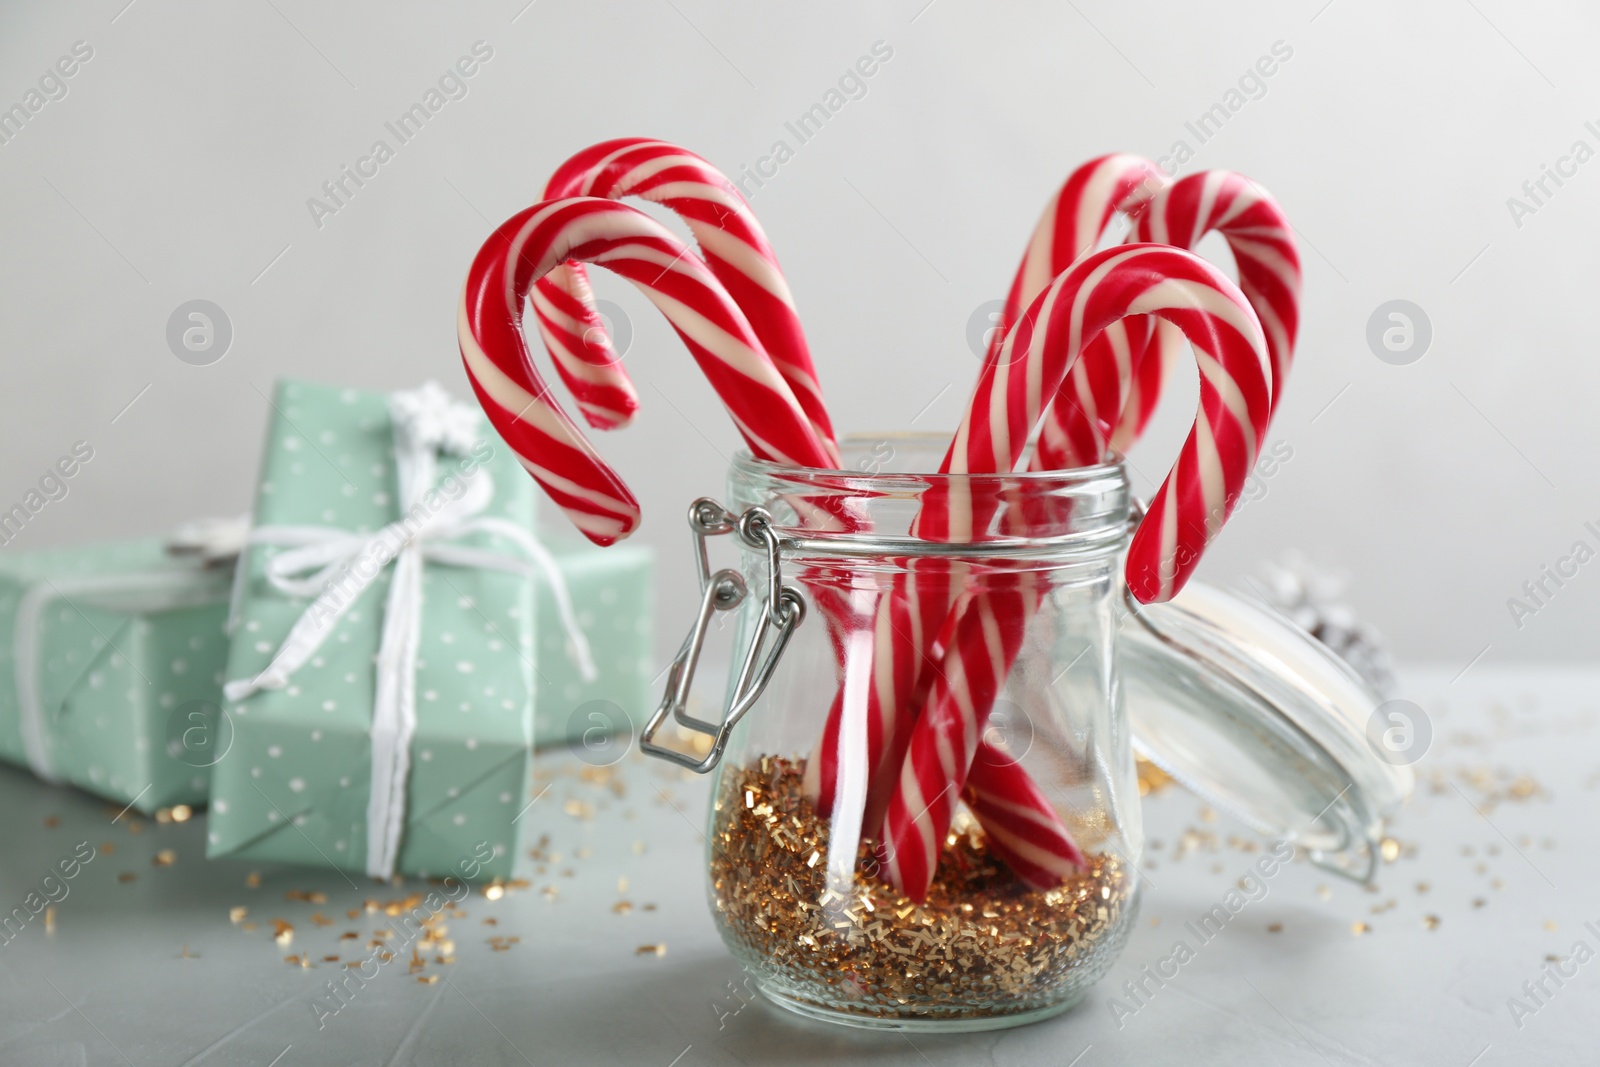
1502 835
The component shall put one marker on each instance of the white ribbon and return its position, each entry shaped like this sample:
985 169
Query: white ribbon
210 541
334 566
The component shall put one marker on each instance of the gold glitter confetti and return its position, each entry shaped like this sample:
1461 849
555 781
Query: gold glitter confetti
126 876
332 958
1274 928
107 847
494 892
163 815
1152 779
1430 922
51 822
578 809
1550 924
1324 893
165 858
247 927
638 848
1478 902
1423 887
427 979
135 826
1360 928
622 885
319 919
236 915
622 907
657 949
981 936
1389 849
181 812
50 919
307 897
252 880
282 932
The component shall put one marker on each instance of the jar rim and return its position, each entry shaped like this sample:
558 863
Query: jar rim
1097 528
748 463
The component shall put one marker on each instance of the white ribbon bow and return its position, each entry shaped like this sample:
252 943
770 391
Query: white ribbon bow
334 566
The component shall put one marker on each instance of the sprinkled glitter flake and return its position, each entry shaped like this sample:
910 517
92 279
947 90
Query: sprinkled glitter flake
983 943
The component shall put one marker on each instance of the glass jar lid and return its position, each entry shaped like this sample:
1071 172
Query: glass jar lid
1259 718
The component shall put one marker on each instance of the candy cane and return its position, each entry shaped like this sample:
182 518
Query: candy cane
1196 497
1072 223
732 245
1119 378
554 451
712 326
1262 242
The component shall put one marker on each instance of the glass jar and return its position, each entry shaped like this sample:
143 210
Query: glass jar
800 885
865 658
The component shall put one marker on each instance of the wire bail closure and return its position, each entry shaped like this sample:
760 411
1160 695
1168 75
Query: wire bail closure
725 590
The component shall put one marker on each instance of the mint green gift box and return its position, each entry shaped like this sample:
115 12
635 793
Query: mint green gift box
111 663
296 783
611 590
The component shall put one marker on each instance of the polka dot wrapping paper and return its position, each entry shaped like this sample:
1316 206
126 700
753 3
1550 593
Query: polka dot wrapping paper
121 676
611 589
295 782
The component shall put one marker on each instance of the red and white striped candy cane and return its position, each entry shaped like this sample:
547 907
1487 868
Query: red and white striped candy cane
1072 223
1197 496
520 406
732 245
1262 241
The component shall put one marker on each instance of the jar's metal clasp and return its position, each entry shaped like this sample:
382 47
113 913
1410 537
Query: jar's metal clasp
725 590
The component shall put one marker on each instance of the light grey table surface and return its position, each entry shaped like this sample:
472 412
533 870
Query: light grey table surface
1499 845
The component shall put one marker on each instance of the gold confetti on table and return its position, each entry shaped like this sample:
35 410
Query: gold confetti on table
982 938
282 933
427 979
1430 922
1360 928
657 949
126 876
181 812
1274 928
50 919
236 915
1152 779
107 847
252 880
1389 849
52 821
165 858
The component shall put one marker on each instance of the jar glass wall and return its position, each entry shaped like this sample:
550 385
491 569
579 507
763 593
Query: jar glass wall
815 816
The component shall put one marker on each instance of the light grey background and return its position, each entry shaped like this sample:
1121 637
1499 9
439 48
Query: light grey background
179 164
